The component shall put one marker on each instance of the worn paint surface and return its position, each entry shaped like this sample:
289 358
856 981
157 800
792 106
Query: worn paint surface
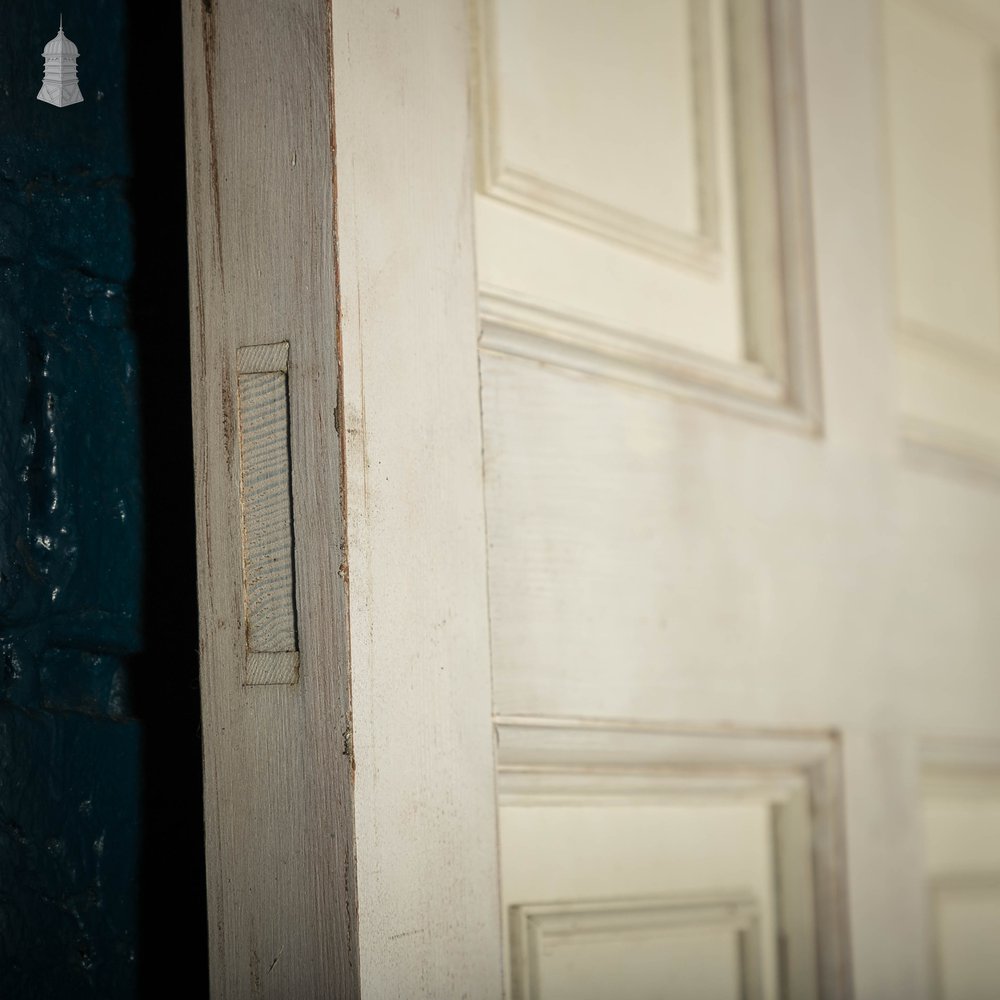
73 583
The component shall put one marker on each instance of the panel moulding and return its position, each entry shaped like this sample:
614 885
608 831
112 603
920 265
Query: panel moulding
515 326
965 773
537 930
507 181
563 762
933 444
777 378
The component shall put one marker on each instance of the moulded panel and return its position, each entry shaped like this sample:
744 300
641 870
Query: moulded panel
942 71
570 858
641 212
705 949
967 924
942 83
634 857
950 401
961 816
561 139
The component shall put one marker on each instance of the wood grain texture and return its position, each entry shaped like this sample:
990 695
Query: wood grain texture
278 766
425 813
265 508
262 358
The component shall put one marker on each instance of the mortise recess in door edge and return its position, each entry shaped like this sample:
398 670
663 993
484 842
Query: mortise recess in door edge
267 534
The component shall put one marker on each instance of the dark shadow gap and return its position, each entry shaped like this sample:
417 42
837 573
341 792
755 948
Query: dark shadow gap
172 932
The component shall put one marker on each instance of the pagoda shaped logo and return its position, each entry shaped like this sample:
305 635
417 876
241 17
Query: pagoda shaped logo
59 85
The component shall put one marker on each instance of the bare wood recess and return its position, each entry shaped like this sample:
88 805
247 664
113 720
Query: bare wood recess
272 655
560 761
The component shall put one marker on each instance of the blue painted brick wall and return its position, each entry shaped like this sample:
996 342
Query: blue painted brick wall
88 816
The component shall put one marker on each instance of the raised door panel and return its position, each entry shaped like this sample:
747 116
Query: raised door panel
942 68
654 563
961 818
653 558
559 138
643 948
599 497
641 862
640 198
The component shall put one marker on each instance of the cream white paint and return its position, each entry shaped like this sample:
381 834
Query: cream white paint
634 834
350 816
653 560
425 812
616 516
961 821
942 106
690 260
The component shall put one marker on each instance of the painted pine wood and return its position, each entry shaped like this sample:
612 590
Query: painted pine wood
429 922
663 564
388 729
278 766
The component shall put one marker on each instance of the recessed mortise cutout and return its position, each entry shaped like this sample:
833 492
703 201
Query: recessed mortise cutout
272 655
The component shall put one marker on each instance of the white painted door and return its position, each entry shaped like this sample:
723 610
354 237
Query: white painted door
637 586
